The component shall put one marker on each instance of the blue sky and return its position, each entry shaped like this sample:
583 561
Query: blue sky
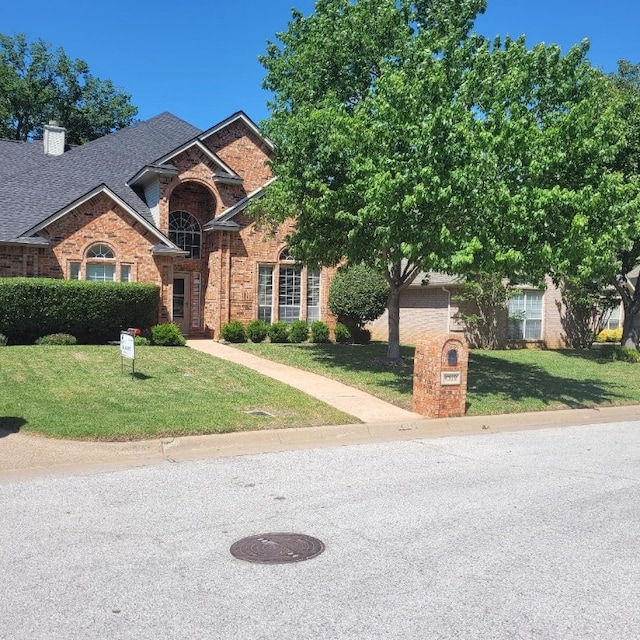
199 60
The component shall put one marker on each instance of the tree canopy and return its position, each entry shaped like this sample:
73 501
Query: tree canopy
409 143
39 84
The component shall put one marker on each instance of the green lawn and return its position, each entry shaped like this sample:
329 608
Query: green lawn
499 381
81 392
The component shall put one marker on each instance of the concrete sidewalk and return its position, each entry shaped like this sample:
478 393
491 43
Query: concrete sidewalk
359 404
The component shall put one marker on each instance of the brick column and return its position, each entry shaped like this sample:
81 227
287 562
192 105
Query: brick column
440 376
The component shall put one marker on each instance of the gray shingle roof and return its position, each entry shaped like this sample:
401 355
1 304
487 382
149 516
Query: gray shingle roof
37 186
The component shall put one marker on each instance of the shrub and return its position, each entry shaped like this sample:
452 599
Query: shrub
141 341
93 312
57 339
279 332
609 335
361 336
234 331
319 332
167 334
623 354
257 330
298 331
357 295
341 333
3 340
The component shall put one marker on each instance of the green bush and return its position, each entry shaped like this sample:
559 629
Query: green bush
319 332
257 330
233 331
609 335
3 340
279 332
57 339
361 336
298 331
357 295
93 312
341 333
141 341
167 334
623 354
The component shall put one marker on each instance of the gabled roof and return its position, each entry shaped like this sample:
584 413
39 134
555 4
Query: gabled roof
48 184
238 116
36 189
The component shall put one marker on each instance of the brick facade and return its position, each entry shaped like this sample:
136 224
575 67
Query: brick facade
222 283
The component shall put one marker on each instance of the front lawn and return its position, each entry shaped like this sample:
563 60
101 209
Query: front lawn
81 392
499 381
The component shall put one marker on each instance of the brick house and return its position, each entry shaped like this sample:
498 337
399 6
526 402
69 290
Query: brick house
159 202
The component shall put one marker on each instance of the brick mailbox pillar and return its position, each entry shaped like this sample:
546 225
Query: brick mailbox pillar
440 375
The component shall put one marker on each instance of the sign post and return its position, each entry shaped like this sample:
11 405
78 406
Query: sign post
128 350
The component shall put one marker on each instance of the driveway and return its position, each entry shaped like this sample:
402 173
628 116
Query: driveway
531 534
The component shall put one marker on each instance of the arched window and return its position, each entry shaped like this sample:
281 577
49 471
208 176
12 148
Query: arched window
104 267
293 282
184 231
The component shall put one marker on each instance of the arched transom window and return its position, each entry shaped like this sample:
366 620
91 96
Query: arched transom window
185 231
100 265
295 285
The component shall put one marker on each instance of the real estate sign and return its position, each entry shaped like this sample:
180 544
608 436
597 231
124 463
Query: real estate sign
127 345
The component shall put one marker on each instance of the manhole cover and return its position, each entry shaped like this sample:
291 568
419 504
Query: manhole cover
276 548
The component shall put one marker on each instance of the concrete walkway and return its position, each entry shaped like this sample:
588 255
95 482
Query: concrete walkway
356 403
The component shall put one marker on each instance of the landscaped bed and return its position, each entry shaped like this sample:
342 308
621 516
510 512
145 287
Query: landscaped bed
82 392
499 381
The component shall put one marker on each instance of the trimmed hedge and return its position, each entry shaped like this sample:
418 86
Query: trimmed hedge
93 312
234 331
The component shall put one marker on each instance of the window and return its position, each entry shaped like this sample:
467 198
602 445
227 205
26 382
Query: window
105 269
612 318
125 273
525 316
289 293
265 293
184 230
74 270
313 295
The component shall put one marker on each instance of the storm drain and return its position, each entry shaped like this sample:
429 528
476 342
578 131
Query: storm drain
260 412
277 548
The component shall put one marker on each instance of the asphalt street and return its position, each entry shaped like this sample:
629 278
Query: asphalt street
531 534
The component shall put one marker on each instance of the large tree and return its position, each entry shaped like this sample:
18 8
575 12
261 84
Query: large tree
408 143
39 84
598 225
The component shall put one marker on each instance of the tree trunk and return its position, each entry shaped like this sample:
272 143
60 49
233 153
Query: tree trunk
630 328
393 311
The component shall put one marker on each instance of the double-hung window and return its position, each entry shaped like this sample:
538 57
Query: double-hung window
525 316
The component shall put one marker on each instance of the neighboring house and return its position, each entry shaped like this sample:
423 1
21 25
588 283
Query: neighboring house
536 315
158 202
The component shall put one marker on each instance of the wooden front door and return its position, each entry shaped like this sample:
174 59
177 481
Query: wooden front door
181 314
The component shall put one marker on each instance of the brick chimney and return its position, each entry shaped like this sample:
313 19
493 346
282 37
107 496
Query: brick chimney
54 139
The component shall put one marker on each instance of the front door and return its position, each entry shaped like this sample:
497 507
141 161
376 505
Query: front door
181 302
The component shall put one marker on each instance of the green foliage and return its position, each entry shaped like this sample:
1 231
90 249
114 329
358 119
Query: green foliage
298 331
609 335
342 333
319 332
427 147
57 339
257 330
141 341
623 354
3 340
234 331
488 296
167 334
94 312
39 84
358 294
279 332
